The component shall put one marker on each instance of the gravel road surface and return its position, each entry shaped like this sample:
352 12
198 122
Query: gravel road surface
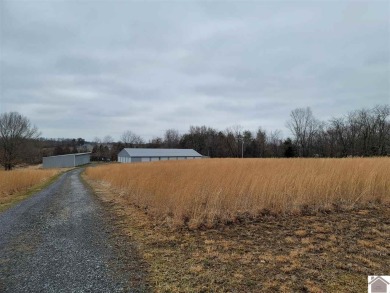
63 240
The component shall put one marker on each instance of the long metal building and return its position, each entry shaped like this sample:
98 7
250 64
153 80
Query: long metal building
133 155
66 161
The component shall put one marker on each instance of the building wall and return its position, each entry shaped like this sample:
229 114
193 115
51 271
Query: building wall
121 159
58 161
124 159
82 159
65 161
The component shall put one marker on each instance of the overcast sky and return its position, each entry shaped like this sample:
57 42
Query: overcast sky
96 68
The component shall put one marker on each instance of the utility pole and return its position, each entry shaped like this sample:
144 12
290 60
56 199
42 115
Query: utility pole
240 137
242 148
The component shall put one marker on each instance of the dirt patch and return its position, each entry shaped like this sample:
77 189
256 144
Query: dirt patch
332 252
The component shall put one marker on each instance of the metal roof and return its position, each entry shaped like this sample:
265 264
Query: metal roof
74 154
144 152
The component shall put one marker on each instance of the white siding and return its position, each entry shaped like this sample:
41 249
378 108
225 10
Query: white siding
124 160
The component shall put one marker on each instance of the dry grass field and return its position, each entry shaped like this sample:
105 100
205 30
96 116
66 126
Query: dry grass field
322 251
16 183
217 192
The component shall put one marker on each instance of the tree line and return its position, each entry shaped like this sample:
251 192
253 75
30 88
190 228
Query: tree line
364 132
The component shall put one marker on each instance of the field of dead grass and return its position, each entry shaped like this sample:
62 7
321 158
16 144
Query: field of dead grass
215 192
16 183
325 252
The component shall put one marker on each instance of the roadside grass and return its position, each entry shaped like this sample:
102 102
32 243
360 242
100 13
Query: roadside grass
217 192
323 252
19 184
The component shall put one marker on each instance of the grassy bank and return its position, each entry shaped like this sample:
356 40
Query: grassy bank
18 184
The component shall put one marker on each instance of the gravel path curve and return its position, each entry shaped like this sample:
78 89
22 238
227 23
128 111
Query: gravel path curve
62 240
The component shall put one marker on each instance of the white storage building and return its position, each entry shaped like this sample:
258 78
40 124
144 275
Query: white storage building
66 161
133 155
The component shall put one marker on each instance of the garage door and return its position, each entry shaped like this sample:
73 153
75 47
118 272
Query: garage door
145 159
154 159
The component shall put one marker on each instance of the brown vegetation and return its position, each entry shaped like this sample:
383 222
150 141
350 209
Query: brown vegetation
290 253
13 184
222 191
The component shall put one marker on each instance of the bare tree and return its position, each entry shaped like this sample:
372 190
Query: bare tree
234 139
303 126
261 139
202 139
366 125
382 113
15 130
131 139
108 139
275 144
172 138
97 140
155 142
338 133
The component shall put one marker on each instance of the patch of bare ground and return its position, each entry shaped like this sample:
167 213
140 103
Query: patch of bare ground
331 252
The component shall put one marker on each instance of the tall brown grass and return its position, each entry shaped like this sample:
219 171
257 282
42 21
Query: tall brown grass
207 192
20 180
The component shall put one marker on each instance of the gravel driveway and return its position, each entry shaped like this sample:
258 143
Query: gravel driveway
63 240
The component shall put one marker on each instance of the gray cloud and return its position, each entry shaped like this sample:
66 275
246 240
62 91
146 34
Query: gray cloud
86 69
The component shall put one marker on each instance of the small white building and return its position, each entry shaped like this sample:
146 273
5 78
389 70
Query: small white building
133 155
66 161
